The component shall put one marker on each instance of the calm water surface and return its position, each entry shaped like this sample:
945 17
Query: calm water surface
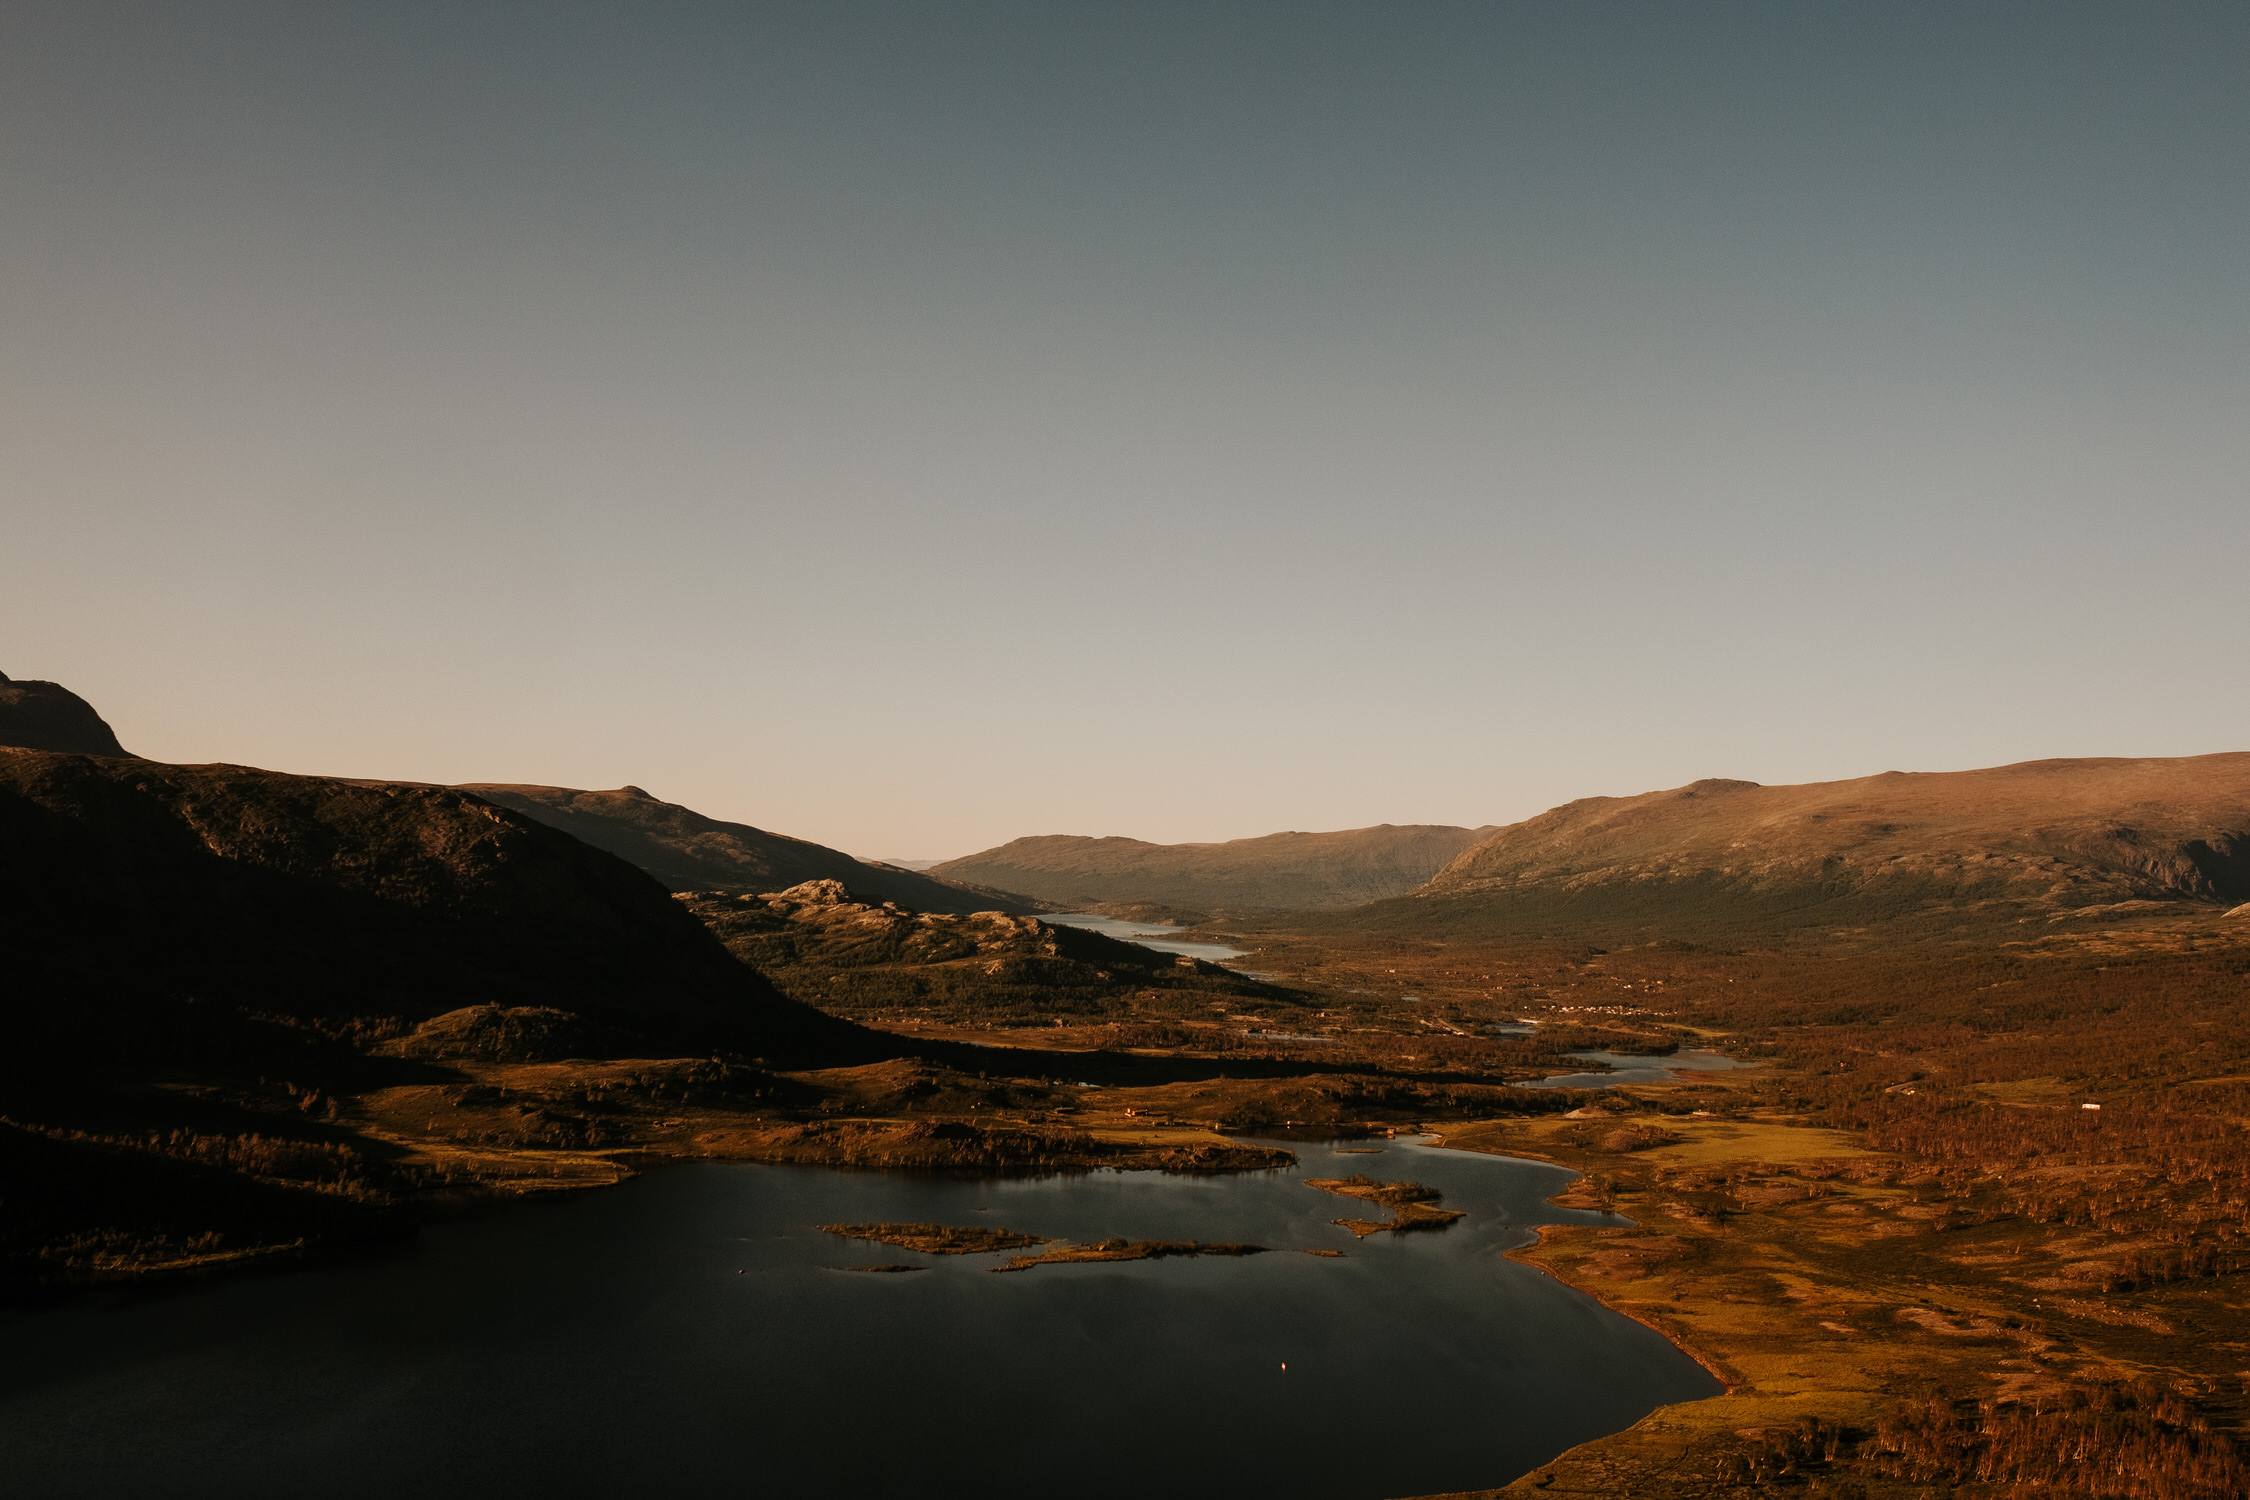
688 1332
1634 1067
1147 934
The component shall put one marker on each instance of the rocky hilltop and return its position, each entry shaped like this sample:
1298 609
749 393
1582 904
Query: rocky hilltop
2042 840
1279 872
49 716
690 852
874 960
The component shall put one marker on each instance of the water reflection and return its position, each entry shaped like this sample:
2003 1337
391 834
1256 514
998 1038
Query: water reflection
1634 1067
687 1329
1147 934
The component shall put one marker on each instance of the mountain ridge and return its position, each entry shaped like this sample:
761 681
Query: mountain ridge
212 892
2030 841
689 851
1290 871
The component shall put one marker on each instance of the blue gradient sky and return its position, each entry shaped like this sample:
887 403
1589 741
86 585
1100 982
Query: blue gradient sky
913 426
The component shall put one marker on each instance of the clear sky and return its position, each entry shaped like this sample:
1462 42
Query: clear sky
914 426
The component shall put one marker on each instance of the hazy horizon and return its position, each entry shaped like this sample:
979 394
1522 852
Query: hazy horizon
912 428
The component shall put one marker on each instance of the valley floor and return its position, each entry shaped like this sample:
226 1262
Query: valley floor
1914 1256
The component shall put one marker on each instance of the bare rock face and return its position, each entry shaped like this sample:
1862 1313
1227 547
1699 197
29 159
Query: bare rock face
49 716
818 893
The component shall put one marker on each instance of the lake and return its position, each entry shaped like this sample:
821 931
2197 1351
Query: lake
1147 934
690 1328
1635 1067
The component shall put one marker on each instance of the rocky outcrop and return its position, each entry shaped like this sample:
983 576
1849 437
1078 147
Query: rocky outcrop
825 944
49 716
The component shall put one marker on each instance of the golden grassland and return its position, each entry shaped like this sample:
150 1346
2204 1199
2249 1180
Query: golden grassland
1831 1286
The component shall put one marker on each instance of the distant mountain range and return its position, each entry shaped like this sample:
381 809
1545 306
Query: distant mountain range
1279 872
1935 851
2032 843
690 852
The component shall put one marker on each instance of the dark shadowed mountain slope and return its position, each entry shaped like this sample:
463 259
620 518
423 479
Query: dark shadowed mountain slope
2035 842
155 907
1279 872
690 852
49 716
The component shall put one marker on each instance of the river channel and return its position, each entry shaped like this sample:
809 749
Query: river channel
693 1331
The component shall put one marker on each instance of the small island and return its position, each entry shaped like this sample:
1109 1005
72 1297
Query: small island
1120 1249
937 1239
1412 1205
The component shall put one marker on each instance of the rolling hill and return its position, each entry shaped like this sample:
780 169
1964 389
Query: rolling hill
1279 872
1941 851
690 852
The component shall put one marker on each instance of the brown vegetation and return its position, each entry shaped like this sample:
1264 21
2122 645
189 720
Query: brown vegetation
1413 1207
937 1239
1920 853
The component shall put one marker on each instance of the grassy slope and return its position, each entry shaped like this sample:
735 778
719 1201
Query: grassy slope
1955 854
